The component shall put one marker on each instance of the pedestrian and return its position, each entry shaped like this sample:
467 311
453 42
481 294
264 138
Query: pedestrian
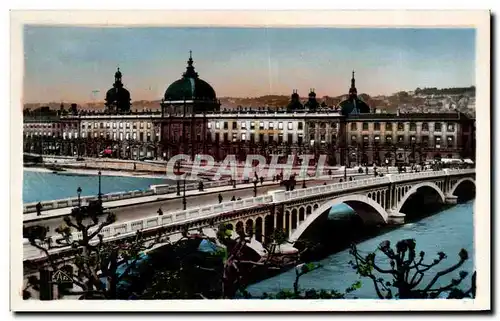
233 198
220 198
160 212
39 209
261 180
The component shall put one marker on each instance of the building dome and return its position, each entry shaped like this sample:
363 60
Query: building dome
353 105
294 103
118 98
190 87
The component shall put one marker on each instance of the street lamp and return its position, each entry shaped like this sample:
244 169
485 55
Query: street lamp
184 195
79 191
99 196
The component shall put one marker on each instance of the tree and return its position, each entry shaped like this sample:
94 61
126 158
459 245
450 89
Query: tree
407 272
95 262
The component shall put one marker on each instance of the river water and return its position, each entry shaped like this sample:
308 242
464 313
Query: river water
448 230
45 186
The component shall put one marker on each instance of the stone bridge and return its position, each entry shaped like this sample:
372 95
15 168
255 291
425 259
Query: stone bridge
376 200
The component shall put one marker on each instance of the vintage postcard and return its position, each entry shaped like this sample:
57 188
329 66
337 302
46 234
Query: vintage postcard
293 161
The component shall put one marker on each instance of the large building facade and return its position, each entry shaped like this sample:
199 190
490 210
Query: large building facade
190 122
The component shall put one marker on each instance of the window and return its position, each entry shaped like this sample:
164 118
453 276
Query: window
271 138
388 127
121 136
209 125
437 142
300 126
312 125
252 137
425 140
141 136
107 135
83 126
127 125
70 134
425 127
376 139
280 125
226 137
84 135
134 125
334 125
353 138
114 136
353 126
95 134
243 137
148 137
311 137
114 125
252 125
225 125
365 126
141 125
149 126
437 127
450 127
413 139
280 138
300 139
235 125
243 125
322 125
376 126
261 125
217 125
108 125
134 135
401 127
95 125
217 137
271 125
290 125
290 138
449 141
127 135
261 138
334 138
388 139
401 139
365 140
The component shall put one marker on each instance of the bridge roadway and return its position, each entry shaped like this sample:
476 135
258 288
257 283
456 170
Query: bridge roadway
170 202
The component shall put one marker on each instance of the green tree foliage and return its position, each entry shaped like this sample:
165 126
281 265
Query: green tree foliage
407 270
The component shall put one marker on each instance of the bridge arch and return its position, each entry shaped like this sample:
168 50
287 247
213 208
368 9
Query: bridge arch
457 184
368 209
414 189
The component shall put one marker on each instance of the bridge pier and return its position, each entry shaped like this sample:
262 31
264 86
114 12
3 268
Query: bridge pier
451 199
396 218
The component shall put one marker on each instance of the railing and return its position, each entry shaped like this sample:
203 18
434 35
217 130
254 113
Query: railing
193 214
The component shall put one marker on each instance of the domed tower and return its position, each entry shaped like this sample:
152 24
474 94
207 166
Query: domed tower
190 94
118 98
295 103
353 105
312 104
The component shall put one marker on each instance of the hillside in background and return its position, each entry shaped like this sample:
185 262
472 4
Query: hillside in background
419 100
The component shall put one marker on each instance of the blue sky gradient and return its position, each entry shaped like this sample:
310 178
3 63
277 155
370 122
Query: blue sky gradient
68 63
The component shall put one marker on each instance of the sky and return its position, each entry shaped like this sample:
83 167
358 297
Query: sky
77 64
